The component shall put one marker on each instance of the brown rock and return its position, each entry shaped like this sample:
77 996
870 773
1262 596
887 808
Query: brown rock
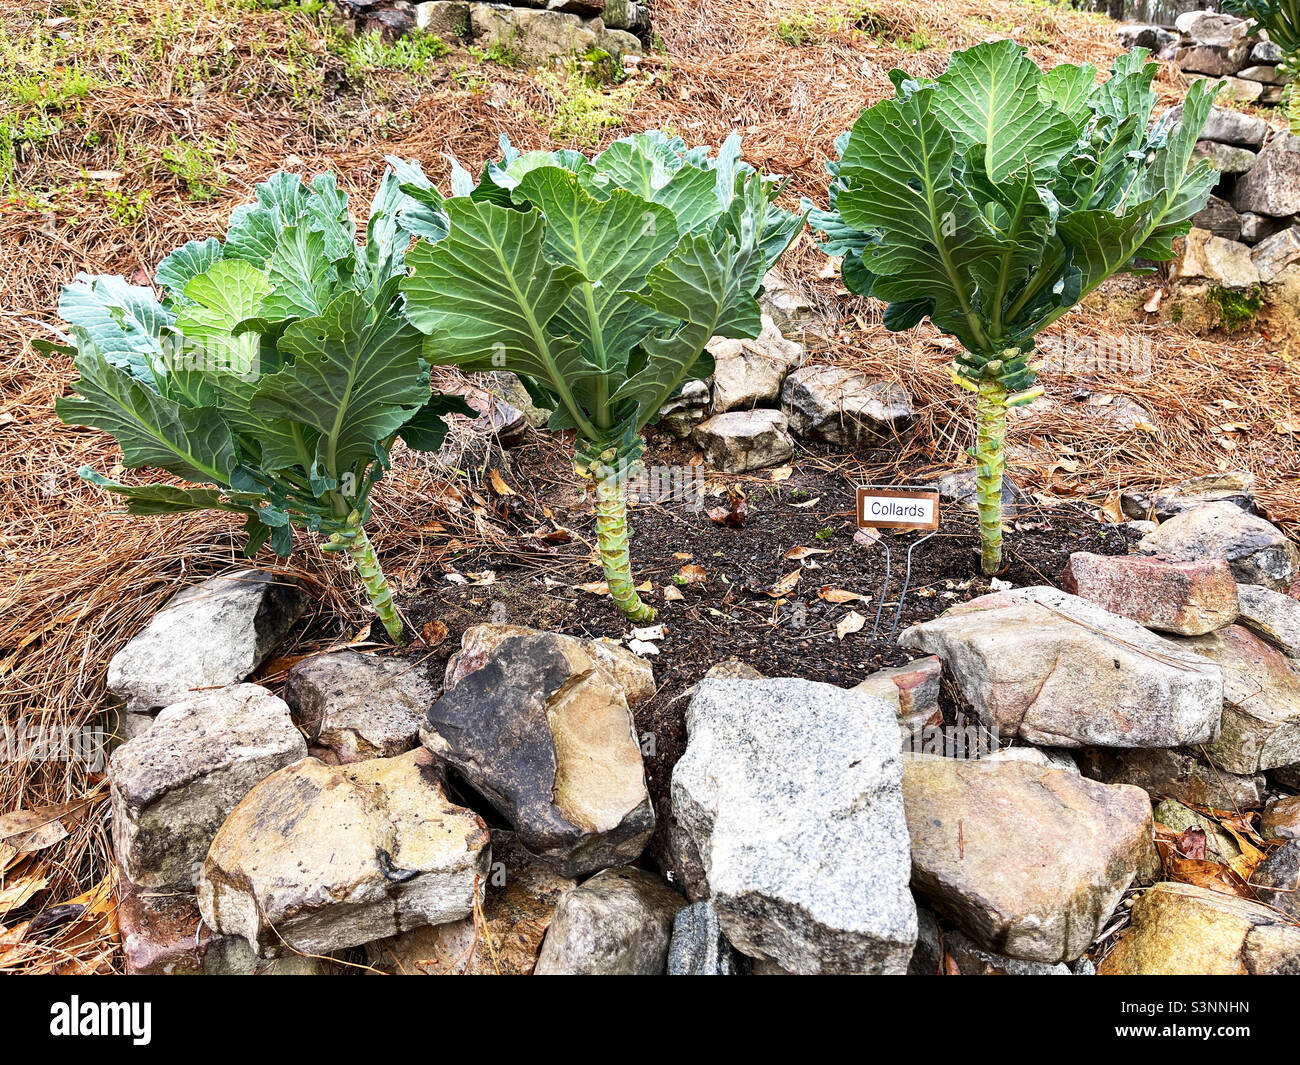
1189 598
631 672
544 733
1182 930
1029 862
1281 820
1169 773
522 893
317 857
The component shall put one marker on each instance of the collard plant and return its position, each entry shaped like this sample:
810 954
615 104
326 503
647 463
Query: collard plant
599 281
995 197
277 370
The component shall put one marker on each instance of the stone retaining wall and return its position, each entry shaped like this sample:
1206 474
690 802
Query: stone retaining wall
532 30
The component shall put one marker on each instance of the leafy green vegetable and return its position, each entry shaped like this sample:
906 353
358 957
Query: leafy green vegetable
995 197
599 281
277 368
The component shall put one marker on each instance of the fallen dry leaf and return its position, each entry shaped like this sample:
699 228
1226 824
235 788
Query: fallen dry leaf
837 595
499 485
673 594
690 574
782 587
434 632
805 504
796 553
781 473
732 514
850 623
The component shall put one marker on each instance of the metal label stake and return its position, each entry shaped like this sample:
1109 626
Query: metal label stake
904 510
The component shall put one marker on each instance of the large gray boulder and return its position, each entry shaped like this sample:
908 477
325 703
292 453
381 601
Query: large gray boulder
618 923
207 636
1273 185
1059 671
790 790
1257 551
361 706
1028 861
744 440
317 857
173 786
543 731
841 406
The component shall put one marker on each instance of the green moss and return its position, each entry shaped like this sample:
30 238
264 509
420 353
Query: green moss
1235 308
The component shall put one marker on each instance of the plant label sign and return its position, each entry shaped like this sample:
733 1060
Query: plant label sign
897 508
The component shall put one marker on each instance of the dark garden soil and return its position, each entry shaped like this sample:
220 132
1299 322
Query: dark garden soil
738 610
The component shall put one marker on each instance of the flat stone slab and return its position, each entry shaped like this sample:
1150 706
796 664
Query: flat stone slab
1188 598
1059 671
207 636
317 857
790 792
1182 930
1028 861
173 786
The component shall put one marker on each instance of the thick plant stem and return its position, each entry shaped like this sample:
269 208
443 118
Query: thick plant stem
380 595
611 541
990 462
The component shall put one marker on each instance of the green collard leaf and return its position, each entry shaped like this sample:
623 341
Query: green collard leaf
710 293
186 262
487 293
302 276
995 198
227 293
989 96
153 430
427 428
154 499
613 244
124 323
356 378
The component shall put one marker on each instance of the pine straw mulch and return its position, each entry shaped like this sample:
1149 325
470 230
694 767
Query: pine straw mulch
259 90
